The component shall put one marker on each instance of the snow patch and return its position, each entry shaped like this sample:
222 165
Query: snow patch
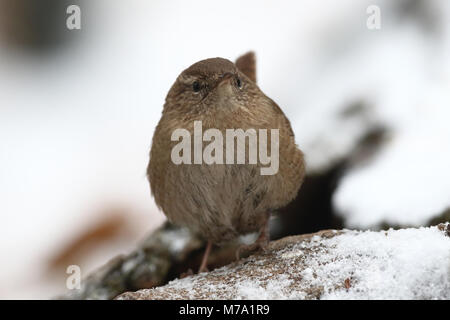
394 264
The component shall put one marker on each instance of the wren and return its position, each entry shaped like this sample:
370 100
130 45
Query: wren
222 201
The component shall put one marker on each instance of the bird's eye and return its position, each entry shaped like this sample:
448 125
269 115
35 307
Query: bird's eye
239 82
196 86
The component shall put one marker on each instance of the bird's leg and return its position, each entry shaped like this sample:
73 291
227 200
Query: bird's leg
203 266
260 243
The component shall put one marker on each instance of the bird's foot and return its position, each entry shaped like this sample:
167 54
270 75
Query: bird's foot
204 269
259 244
188 273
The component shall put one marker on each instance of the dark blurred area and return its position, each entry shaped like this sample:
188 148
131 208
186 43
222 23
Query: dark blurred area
34 27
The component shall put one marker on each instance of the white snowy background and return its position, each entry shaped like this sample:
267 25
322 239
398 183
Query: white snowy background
76 126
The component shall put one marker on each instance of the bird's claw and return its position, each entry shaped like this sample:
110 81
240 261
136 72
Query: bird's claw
257 245
205 269
188 273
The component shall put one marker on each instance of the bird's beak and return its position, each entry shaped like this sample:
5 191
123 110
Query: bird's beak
226 77
225 85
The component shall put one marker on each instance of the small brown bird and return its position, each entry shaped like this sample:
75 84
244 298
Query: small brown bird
222 201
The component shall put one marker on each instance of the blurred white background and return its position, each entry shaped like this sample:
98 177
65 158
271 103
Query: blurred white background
76 121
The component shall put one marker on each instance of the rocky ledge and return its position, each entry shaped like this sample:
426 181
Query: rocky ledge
394 264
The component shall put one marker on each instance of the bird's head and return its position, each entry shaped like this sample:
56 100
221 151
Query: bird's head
209 85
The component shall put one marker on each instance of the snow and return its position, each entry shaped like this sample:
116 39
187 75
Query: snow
176 240
393 264
403 264
408 182
406 75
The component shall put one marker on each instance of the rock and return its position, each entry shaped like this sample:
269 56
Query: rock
164 255
394 264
